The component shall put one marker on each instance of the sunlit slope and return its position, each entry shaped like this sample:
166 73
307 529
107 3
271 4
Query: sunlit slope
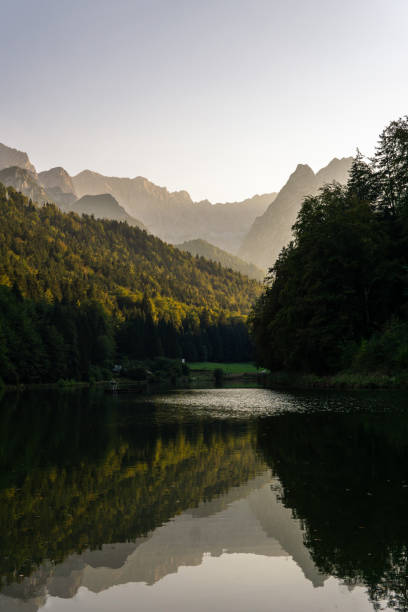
52 255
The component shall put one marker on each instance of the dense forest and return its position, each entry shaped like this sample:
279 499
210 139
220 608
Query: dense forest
337 297
78 294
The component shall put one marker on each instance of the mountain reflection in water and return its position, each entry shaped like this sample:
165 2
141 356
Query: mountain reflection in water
98 492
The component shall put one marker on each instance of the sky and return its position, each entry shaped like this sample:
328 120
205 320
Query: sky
222 98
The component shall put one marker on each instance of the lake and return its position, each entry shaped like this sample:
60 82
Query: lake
207 500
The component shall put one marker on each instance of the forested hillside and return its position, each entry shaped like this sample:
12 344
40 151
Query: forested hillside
338 294
78 292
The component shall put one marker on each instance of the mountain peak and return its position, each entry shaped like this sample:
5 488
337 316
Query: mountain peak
57 177
25 181
302 170
86 173
57 170
336 170
13 157
302 180
273 230
104 206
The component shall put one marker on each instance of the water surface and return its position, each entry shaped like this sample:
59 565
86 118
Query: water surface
221 499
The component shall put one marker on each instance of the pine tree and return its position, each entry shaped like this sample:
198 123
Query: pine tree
391 167
361 183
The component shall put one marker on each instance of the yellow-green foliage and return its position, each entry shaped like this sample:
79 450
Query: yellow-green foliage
128 489
51 255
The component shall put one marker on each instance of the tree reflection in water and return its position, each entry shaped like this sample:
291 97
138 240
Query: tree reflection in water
346 477
81 470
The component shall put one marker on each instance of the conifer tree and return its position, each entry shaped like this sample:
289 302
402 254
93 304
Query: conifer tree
391 167
361 181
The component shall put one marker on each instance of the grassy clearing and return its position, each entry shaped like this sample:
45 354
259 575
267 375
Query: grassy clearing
228 368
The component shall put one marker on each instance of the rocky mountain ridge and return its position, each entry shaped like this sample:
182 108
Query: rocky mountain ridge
59 185
25 181
272 231
173 216
13 157
255 229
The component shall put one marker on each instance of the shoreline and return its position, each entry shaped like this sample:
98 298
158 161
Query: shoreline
273 380
196 379
341 381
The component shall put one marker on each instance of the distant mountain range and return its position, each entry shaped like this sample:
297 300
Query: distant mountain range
173 216
255 229
209 251
271 231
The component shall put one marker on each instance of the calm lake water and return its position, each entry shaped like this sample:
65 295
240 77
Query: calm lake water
207 500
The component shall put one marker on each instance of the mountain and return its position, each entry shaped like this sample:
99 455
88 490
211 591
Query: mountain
273 229
12 157
50 186
56 185
78 257
23 180
173 216
103 206
225 224
209 251
59 185
77 292
255 229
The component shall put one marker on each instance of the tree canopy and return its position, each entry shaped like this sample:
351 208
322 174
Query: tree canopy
339 289
77 293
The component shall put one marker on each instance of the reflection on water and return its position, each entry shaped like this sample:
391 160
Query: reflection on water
224 499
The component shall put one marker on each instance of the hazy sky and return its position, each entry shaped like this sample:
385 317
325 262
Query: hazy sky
222 98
